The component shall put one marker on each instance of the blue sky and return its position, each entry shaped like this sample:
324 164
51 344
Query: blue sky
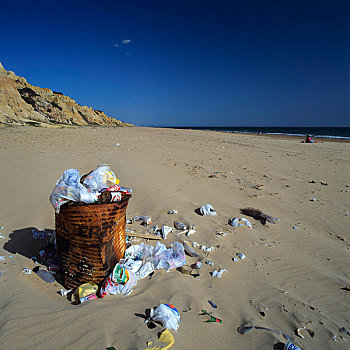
187 63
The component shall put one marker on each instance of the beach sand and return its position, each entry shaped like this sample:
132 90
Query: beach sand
297 274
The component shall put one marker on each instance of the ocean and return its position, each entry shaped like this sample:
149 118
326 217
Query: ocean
321 132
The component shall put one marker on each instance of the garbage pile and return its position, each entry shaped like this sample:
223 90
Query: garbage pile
100 185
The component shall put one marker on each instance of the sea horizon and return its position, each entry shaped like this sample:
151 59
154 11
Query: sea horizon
316 132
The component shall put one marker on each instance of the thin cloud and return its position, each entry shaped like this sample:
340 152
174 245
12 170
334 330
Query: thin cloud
116 45
126 41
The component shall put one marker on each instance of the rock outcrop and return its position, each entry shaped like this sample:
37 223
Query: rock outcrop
22 103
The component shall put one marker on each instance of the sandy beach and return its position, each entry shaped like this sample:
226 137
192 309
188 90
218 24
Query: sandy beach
294 275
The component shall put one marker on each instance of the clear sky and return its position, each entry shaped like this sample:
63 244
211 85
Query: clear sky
187 62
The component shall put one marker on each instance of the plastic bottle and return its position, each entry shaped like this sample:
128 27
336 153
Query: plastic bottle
180 226
290 346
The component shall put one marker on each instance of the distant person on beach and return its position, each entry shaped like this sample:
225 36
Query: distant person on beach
309 139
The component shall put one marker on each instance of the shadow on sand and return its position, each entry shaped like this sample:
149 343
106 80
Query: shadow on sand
22 242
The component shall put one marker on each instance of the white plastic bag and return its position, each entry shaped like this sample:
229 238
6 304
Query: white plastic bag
207 209
68 188
110 287
154 258
100 178
169 258
167 315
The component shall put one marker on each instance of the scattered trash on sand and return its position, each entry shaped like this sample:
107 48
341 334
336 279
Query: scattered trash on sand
172 212
27 271
212 318
85 292
313 199
207 209
217 273
247 222
165 231
164 337
167 315
186 270
234 222
344 331
258 215
64 292
180 226
145 220
190 251
241 256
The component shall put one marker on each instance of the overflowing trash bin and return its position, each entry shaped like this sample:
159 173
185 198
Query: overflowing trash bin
90 224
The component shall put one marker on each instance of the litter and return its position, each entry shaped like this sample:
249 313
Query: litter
212 318
258 215
86 291
344 331
186 270
246 329
141 235
218 274
27 271
241 256
295 227
299 334
247 222
165 231
172 212
146 220
64 292
2 237
142 259
290 346
313 199
234 222
206 249
207 209
190 251
180 226
167 315
100 178
220 234
209 262
212 304
190 232
37 234
120 281
165 337
2 258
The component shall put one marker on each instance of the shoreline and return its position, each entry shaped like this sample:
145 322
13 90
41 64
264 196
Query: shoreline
276 136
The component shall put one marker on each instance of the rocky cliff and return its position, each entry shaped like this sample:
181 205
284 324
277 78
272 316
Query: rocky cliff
22 103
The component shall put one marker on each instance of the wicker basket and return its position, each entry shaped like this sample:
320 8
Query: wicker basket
90 240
